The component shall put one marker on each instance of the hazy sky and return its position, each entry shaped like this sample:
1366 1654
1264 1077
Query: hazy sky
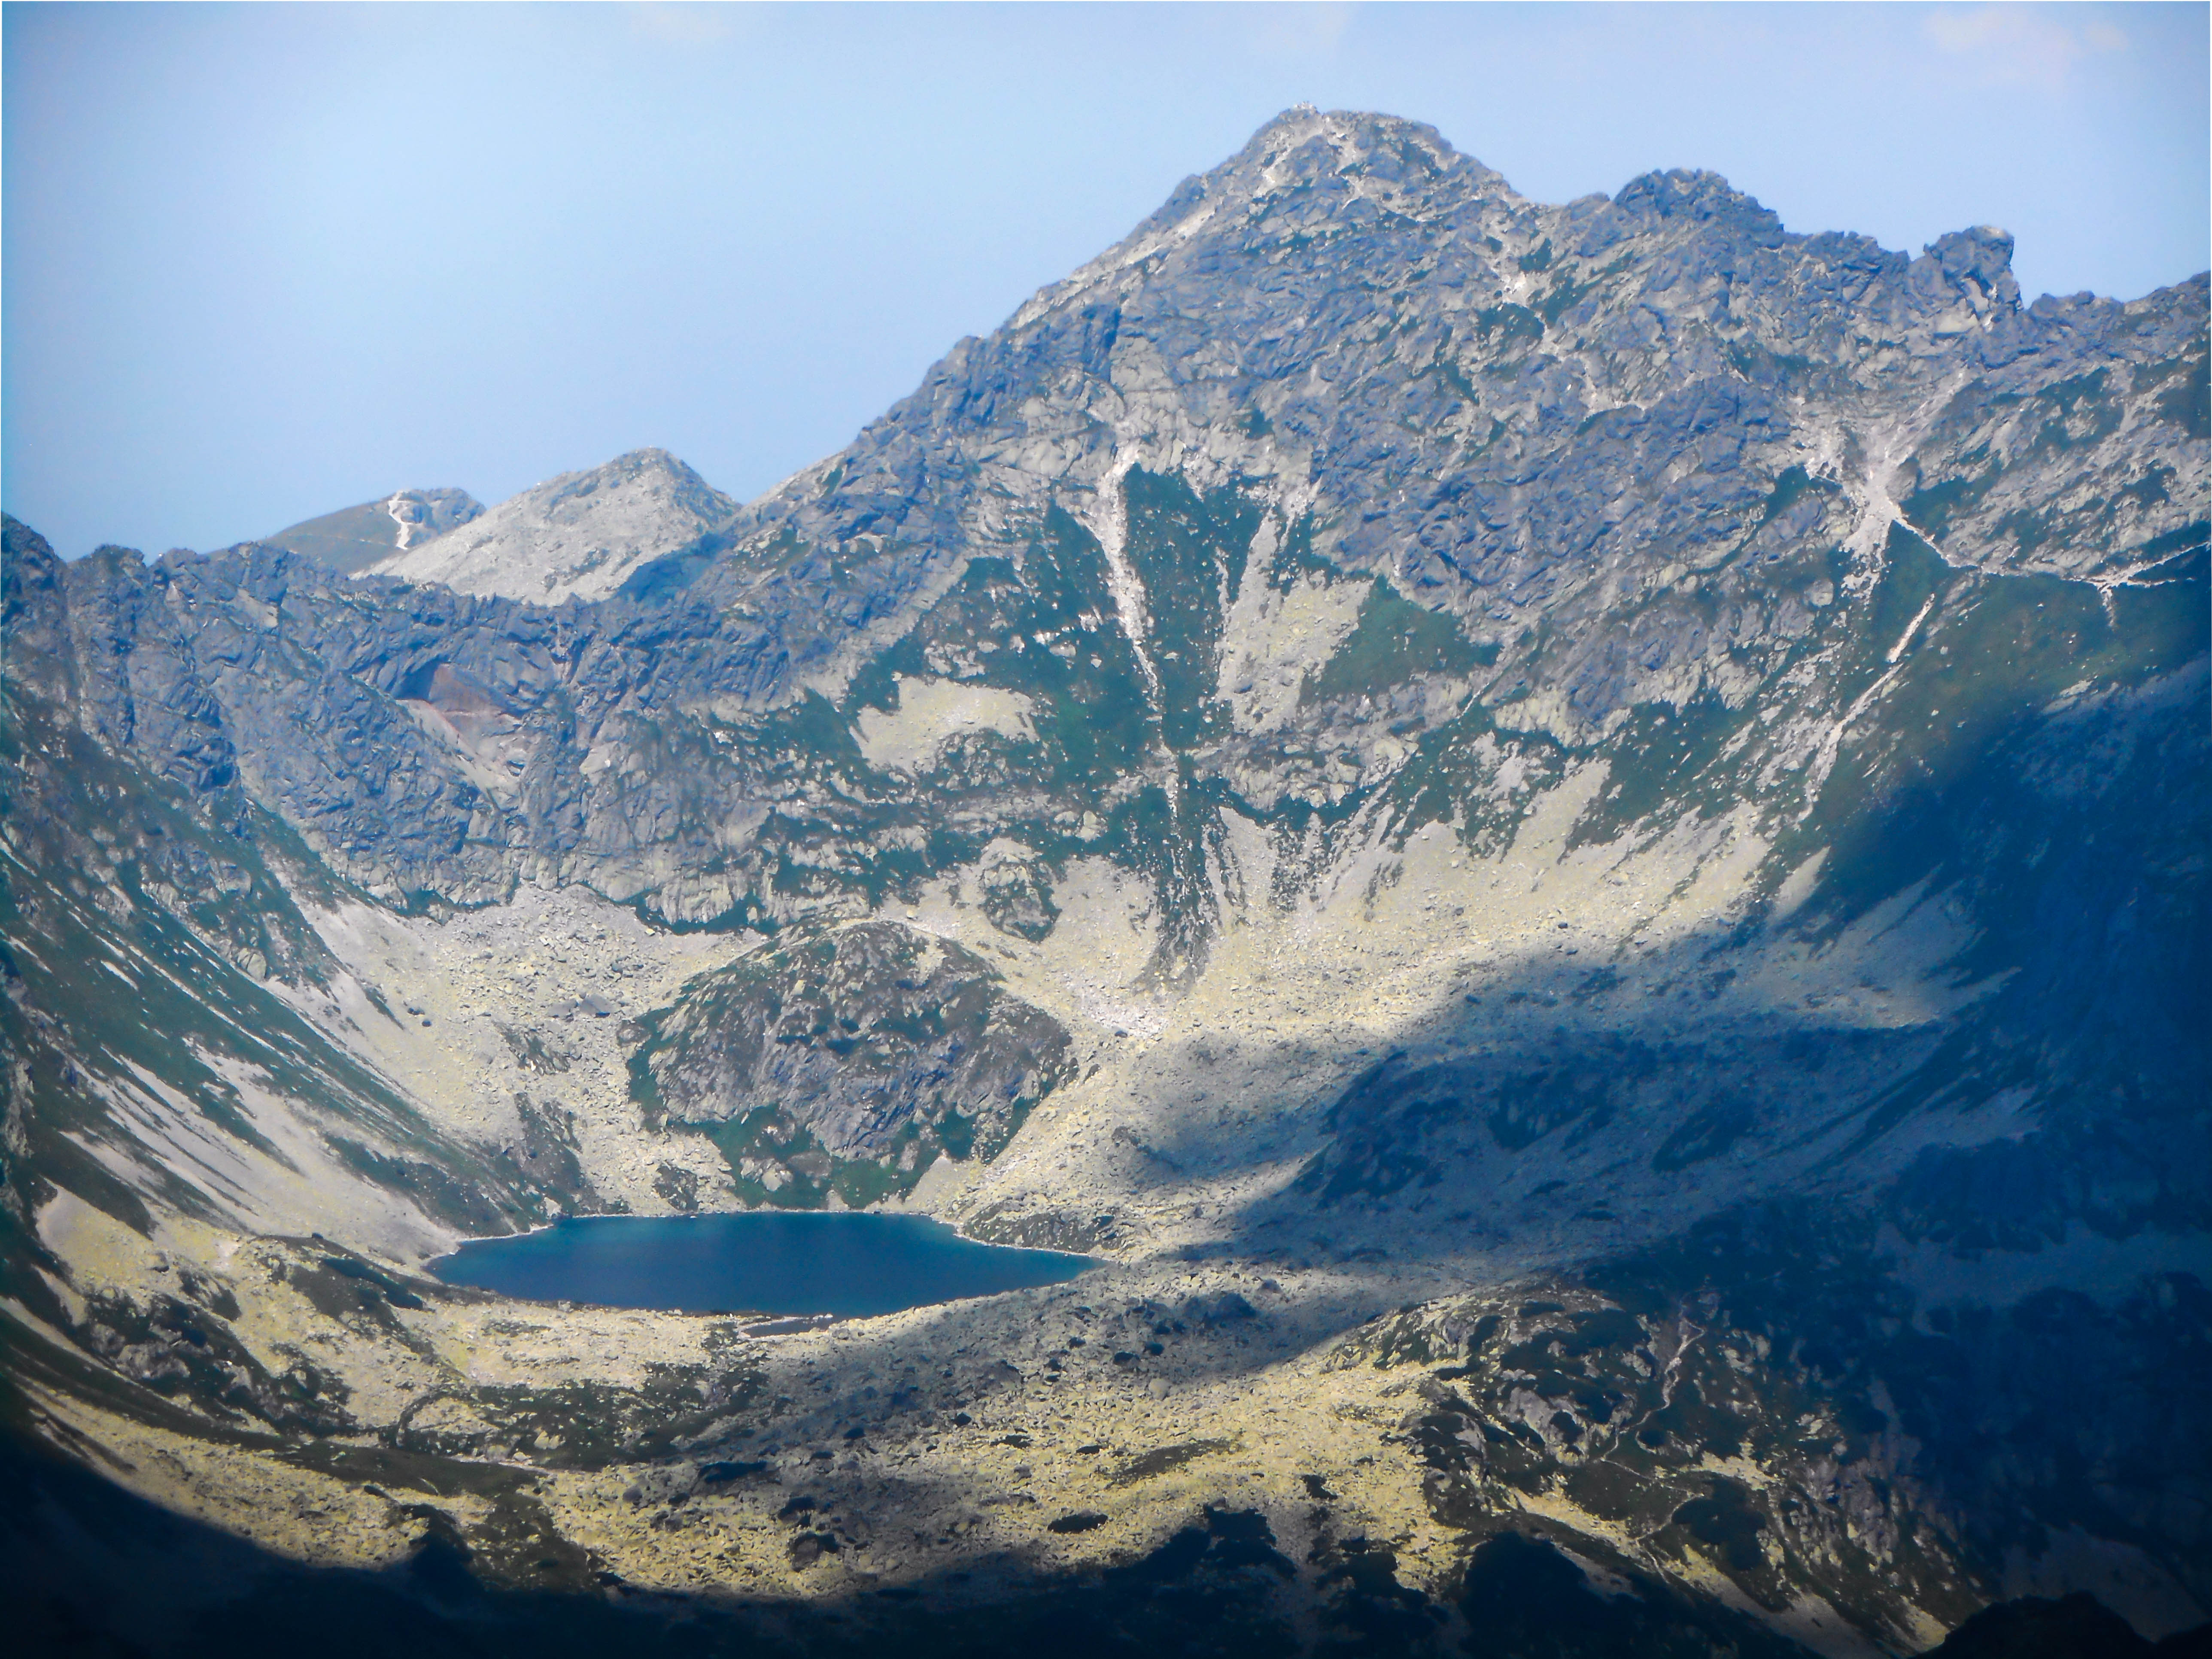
263 262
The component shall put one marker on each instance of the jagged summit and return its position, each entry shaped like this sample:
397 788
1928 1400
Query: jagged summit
354 538
1302 156
1349 310
577 536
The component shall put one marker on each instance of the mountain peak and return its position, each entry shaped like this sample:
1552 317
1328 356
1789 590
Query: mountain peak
579 535
1352 143
354 537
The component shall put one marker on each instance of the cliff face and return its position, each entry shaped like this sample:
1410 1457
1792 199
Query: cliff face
1382 733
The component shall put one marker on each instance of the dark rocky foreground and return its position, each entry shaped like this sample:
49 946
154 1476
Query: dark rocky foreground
92 1570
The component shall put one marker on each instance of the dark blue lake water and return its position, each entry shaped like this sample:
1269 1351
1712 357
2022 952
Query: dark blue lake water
761 1261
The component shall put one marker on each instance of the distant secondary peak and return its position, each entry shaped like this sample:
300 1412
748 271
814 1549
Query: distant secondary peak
577 536
354 538
649 460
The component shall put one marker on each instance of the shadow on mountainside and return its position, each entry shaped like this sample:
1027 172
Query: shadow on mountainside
2054 900
88 1569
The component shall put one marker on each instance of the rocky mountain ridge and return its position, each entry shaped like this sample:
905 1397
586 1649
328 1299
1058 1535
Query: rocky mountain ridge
1383 745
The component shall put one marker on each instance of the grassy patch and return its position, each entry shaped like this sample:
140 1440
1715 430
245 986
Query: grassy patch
1395 640
1188 551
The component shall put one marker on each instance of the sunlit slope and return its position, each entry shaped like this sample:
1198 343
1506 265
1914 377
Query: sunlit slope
171 1009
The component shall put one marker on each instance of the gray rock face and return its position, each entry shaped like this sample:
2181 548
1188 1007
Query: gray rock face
1511 410
356 537
1625 453
578 535
855 1056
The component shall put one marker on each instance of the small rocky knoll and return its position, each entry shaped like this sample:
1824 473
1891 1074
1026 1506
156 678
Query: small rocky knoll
848 1062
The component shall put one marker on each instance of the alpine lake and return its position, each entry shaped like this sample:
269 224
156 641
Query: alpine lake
782 1263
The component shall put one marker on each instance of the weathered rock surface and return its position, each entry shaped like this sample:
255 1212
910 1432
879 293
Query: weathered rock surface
1640 453
848 1060
580 535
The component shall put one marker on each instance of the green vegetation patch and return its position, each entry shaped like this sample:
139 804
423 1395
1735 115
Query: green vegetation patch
1050 630
1188 551
1294 556
580 1425
1395 640
1452 777
1969 691
1932 507
1653 759
1162 1460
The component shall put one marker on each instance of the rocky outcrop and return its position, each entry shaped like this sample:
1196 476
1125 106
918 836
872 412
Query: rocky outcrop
1747 1399
848 1061
1203 506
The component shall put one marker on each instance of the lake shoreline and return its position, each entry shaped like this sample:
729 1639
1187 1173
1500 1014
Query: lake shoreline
764 1264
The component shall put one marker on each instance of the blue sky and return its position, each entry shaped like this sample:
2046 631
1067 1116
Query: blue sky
263 262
